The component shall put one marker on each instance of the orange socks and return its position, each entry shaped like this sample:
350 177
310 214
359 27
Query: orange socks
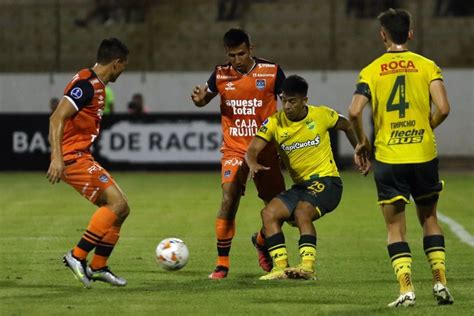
99 225
225 231
104 248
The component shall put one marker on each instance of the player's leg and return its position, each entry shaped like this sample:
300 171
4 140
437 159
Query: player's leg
426 188
91 181
320 196
399 252
393 193
304 214
233 185
273 216
112 199
269 184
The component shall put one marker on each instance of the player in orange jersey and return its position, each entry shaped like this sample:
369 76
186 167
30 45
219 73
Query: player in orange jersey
73 127
248 88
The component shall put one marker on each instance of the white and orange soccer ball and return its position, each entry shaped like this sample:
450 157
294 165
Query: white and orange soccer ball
172 254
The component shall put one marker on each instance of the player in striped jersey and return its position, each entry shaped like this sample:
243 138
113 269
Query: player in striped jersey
401 85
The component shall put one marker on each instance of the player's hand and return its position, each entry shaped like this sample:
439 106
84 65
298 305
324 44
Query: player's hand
253 170
55 171
362 157
198 95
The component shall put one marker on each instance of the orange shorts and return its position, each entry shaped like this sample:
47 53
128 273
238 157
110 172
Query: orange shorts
87 177
269 183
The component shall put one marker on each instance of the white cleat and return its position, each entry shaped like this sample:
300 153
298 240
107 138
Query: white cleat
442 295
78 268
404 300
105 275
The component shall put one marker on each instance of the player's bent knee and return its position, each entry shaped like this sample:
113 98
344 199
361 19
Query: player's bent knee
120 208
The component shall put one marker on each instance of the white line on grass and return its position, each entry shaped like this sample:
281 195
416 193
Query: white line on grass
457 229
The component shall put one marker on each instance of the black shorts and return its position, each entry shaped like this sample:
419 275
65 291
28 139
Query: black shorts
323 193
398 181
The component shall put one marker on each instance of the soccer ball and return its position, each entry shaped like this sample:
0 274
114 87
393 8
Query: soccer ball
172 254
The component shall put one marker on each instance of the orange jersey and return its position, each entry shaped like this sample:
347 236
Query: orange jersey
86 92
246 101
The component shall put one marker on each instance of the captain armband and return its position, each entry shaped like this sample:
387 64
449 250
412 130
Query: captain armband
363 88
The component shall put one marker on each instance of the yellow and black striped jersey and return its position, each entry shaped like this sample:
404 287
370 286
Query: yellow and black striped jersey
304 145
398 84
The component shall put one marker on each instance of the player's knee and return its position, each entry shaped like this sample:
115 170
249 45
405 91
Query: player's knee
268 215
121 208
303 216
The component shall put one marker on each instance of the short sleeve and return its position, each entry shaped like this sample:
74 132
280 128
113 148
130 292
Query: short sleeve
331 116
435 73
280 77
80 94
211 83
266 130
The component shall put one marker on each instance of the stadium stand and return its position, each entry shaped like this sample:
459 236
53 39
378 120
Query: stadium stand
183 35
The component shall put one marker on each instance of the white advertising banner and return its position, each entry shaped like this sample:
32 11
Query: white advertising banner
161 142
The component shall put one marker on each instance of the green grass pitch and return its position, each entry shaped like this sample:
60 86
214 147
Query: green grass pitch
40 222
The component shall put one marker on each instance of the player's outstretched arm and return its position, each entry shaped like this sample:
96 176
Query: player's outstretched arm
440 100
362 149
64 111
362 161
256 146
201 96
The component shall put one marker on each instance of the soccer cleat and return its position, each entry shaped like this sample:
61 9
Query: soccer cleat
219 273
105 275
442 295
404 300
277 273
78 268
300 272
264 259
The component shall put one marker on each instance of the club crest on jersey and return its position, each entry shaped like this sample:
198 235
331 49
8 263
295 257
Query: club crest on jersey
227 173
103 178
76 93
260 84
310 124
229 86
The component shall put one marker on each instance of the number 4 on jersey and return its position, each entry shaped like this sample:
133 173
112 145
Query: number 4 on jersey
398 88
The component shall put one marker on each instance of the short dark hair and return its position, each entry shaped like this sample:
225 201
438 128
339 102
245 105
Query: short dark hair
295 85
111 49
397 23
235 37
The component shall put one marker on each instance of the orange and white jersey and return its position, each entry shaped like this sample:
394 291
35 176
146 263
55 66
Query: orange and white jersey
246 101
86 92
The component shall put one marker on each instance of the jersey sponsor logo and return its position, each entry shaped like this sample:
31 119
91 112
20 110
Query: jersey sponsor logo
412 136
246 127
397 66
76 93
260 84
225 77
244 107
229 86
101 97
257 75
266 65
300 145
